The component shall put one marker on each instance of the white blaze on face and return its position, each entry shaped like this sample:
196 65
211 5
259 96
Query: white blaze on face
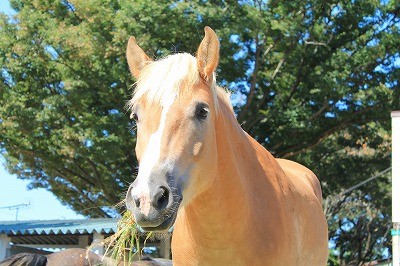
150 158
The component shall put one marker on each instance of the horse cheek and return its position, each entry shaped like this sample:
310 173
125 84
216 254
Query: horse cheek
197 148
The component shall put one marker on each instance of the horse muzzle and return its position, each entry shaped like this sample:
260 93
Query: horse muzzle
155 210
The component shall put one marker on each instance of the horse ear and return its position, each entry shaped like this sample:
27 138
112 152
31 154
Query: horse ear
136 57
208 53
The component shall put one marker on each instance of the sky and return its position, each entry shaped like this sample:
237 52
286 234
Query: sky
41 204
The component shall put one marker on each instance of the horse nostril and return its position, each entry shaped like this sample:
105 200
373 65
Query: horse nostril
132 201
136 200
161 198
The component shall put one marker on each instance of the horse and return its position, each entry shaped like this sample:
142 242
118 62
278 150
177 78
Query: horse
75 257
230 202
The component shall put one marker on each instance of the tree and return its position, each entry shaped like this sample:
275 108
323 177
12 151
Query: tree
65 85
313 81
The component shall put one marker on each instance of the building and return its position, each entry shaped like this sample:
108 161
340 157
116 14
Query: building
34 236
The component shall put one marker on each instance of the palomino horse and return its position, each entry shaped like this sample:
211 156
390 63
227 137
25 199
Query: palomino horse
230 201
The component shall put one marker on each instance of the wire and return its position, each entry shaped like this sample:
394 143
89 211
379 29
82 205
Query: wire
332 200
366 181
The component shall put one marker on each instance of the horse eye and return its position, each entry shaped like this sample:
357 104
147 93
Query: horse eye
202 113
134 116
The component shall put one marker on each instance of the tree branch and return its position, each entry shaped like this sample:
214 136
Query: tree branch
297 149
253 79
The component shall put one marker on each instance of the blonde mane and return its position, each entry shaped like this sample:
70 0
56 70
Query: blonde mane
166 78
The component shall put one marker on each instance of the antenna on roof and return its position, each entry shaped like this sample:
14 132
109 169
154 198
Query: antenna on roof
16 208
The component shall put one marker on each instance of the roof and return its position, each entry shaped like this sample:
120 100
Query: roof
51 227
58 233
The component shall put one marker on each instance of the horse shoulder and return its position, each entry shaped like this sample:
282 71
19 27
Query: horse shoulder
309 219
303 178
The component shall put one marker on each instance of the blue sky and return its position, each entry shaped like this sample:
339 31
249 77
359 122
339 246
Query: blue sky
43 205
5 7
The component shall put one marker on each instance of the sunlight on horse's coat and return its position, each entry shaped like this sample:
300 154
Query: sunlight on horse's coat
150 158
230 201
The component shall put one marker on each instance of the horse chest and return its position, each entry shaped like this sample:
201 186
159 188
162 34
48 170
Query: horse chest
189 253
228 250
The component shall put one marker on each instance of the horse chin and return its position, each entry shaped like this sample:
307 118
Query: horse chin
164 226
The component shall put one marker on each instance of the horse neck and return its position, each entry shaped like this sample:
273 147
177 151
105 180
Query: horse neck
228 201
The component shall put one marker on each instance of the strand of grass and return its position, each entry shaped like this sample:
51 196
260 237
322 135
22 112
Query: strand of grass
132 244
137 244
149 234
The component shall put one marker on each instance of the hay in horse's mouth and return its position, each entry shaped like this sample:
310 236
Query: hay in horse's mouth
167 223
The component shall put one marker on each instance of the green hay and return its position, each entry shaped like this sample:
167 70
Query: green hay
125 243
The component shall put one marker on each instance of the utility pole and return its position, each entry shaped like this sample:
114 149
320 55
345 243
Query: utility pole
396 187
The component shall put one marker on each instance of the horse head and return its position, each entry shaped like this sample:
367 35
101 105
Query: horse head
175 107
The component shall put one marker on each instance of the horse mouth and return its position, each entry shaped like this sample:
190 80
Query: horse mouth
166 223
164 226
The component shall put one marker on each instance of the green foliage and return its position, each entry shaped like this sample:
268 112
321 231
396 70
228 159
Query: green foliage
312 80
64 126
